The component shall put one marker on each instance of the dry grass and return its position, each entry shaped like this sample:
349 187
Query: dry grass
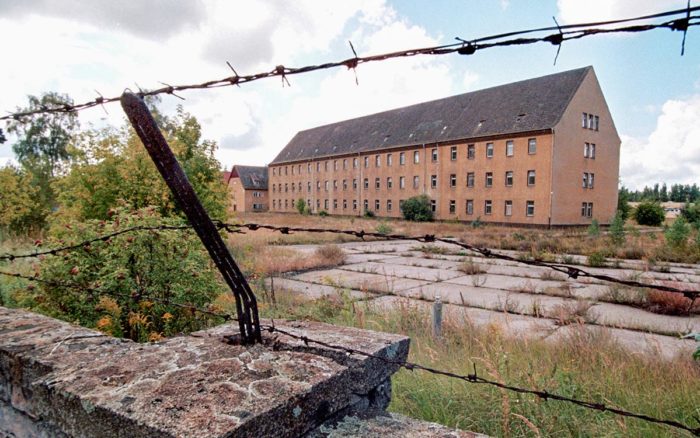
573 312
470 267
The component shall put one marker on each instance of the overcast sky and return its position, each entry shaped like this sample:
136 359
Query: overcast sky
80 47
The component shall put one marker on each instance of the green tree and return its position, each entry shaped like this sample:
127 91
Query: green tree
691 213
417 209
19 211
111 167
617 230
623 199
649 213
677 234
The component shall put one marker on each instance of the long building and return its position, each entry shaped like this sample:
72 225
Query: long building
542 152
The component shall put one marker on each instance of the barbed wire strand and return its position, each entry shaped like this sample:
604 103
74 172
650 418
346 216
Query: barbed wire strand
473 378
462 47
572 272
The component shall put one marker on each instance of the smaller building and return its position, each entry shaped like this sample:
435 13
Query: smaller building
248 188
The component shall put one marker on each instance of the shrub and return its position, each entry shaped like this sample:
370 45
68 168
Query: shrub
617 230
332 254
596 259
470 267
649 213
417 209
369 213
384 228
594 228
668 303
323 213
678 233
691 213
125 272
301 206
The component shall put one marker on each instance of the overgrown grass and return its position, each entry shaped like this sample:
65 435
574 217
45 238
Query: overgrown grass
581 365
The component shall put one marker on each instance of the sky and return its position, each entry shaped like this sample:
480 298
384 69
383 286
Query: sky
82 48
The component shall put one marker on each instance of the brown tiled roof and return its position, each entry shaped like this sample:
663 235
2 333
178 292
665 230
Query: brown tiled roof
252 177
530 105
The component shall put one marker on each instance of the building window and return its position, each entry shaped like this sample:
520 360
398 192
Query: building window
285 204
377 183
377 160
318 204
488 207
308 186
389 183
402 182
489 150
508 208
453 180
354 163
416 182
257 206
587 209
274 171
318 185
470 179
293 187
308 203
285 170
453 206
509 148
286 187
389 160
354 183
489 179
299 169
402 158
325 166
318 166
433 205
273 188
591 118
376 205
532 146
345 163
345 204
335 204
366 162
367 183
292 170
531 177
530 208
584 120
401 201
470 206
509 178
354 204
591 179
388 205
586 147
416 157
453 153
325 204
434 155
308 167
274 204
585 180
365 204
595 122
471 152
345 184
589 150
433 181
335 184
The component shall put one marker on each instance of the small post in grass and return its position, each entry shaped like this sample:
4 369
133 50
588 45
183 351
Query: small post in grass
437 317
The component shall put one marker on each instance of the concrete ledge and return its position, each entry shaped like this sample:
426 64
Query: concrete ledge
59 379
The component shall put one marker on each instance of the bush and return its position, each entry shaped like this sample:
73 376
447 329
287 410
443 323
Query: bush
649 213
332 254
617 230
369 213
301 206
417 209
596 260
691 213
323 213
384 228
678 233
594 228
124 272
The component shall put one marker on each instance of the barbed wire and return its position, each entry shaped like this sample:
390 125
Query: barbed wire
473 378
462 47
572 272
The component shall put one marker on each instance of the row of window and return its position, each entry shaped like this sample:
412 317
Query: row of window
590 121
509 177
469 206
471 154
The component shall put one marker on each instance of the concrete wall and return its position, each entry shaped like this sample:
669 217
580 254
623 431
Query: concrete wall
570 163
243 200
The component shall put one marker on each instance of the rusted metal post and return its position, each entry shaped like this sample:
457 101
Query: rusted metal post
186 198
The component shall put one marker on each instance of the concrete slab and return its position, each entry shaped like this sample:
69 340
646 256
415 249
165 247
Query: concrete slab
433 263
507 283
403 272
313 290
362 281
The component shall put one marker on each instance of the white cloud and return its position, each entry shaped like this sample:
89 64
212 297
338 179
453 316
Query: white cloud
577 11
671 153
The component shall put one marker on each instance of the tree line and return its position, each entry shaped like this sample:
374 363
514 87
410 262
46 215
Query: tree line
662 193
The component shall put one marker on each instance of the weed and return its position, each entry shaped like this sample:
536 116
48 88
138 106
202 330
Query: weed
383 228
573 312
332 254
470 267
596 260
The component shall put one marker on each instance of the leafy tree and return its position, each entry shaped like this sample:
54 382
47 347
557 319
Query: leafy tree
19 211
594 228
623 199
691 213
649 213
301 206
677 234
617 230
417 209
111 167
